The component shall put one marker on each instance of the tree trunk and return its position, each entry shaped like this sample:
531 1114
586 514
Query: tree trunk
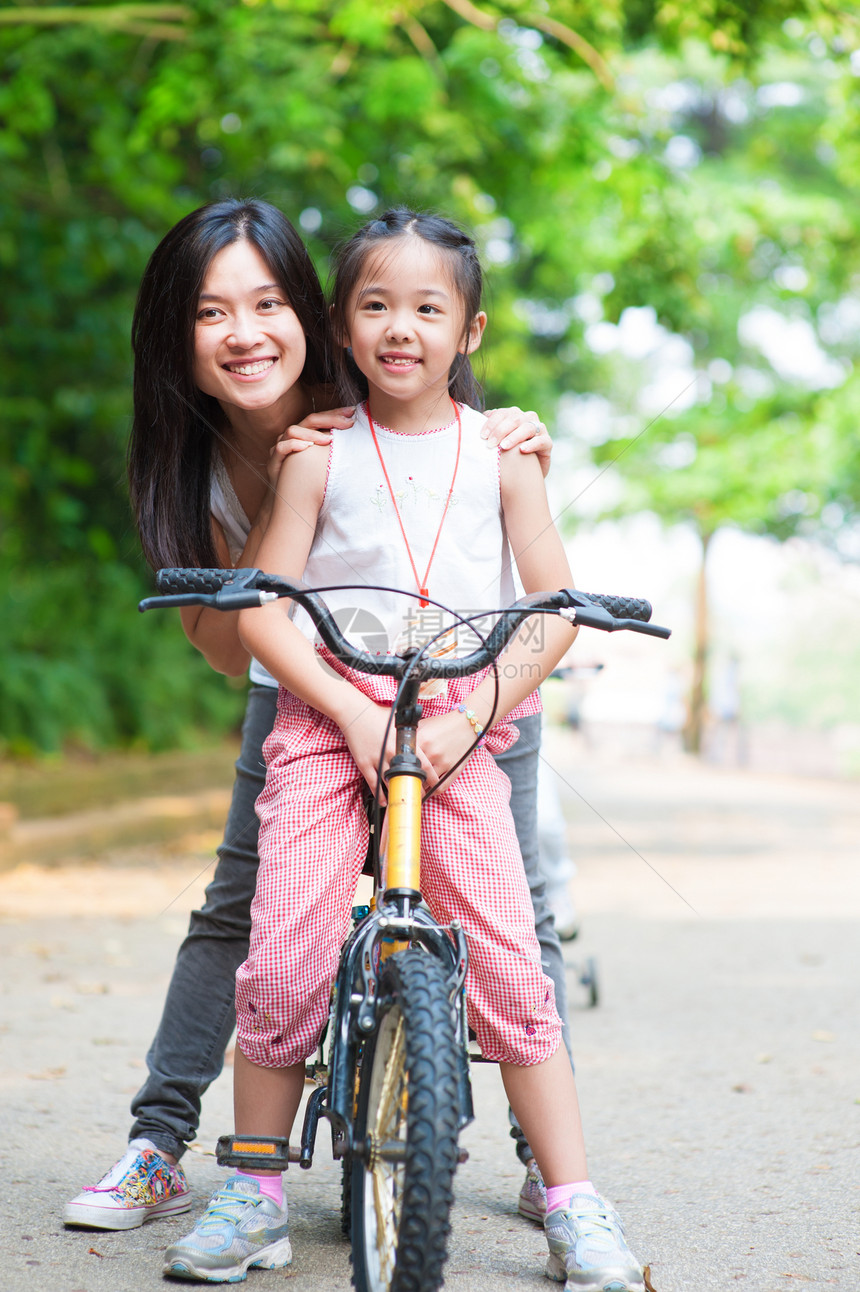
695 723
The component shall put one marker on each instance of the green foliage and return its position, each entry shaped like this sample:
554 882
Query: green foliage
79 665
609 154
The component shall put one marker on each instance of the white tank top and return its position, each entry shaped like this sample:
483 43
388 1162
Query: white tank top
358 539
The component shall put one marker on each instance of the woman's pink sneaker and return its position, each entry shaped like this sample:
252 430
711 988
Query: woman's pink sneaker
532 1200
139 1187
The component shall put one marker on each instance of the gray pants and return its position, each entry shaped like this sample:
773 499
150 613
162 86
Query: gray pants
199 1012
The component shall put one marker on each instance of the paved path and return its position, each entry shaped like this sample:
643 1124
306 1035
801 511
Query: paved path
719 1075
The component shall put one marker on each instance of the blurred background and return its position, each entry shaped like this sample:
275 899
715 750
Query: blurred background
666 199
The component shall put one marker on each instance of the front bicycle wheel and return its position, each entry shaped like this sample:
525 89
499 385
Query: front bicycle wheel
406 1132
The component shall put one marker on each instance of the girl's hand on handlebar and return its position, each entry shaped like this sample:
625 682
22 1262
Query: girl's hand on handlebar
511 428
364 735
442 741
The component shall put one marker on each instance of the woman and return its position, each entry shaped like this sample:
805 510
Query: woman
232 373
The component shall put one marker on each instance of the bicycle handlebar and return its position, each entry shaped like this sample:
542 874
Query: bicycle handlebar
212 581
243 589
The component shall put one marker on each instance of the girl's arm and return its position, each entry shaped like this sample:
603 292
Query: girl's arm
273 639
511 428
543 567
543 639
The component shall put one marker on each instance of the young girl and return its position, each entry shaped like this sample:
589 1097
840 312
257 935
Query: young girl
232 371
410 497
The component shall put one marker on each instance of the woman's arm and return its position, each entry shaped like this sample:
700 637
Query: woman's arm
215 633
267 632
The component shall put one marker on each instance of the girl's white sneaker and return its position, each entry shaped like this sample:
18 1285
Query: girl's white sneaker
241 1228
588 1252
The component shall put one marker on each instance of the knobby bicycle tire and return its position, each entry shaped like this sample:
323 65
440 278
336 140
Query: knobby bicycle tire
400 1210
346 1197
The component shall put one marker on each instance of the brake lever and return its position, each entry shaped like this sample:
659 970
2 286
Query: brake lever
227 598
242 598
595 616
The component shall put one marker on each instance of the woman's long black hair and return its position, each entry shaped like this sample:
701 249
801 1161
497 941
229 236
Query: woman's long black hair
170 450
466 275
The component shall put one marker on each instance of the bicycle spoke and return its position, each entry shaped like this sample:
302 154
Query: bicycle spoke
391 1108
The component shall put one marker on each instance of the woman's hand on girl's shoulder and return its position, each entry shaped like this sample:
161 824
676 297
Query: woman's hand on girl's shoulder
511 428
316 428
297 487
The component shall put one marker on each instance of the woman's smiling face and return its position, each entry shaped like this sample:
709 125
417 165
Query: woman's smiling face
249 346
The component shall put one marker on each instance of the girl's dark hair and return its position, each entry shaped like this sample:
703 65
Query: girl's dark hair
174 425
348 268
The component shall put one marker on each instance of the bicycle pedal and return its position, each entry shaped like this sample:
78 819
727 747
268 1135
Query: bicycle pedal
256 1152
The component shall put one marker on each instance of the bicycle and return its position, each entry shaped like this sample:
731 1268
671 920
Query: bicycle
396 1088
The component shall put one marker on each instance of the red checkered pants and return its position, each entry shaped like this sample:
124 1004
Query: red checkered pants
313 841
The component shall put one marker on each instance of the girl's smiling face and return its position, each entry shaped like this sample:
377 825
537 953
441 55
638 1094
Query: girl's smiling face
405 324
249 346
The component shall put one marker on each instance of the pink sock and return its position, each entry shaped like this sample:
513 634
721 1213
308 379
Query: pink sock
271 1186
559 1195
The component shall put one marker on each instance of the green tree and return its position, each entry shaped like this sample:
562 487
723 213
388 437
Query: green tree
609 157
763 323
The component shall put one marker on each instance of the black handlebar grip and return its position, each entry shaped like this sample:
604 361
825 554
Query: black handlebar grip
621 607
193 580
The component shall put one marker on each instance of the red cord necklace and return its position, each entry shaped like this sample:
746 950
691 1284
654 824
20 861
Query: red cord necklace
421 584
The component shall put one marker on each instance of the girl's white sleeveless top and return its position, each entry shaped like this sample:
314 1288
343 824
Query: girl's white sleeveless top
358 539
229 513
